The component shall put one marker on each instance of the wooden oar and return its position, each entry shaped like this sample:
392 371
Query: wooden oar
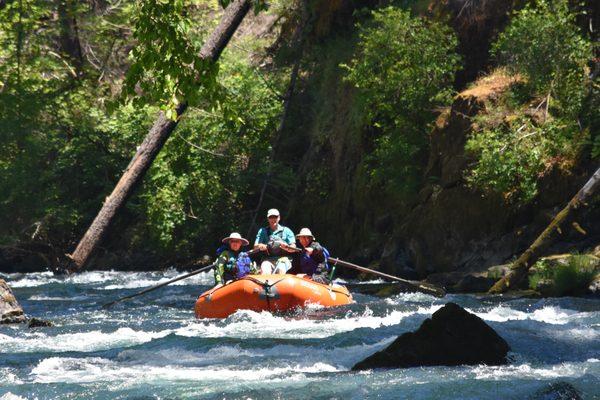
208 267
419 286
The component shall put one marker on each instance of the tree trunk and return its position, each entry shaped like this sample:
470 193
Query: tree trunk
521 267
152 144
69 34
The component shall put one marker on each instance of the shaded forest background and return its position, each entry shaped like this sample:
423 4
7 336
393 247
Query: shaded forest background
424 136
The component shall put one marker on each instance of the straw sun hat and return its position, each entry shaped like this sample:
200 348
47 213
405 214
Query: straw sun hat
235 235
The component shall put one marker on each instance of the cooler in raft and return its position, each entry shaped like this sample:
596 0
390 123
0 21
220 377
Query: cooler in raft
268 293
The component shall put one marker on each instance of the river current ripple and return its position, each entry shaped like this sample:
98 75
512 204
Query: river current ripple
152 347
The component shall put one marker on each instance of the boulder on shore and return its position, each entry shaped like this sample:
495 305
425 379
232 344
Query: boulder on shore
452 336
10 310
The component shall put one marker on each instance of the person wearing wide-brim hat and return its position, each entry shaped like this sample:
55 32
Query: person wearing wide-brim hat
312 260
231 259
274 242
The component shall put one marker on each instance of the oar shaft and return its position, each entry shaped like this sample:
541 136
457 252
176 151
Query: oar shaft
437 291
161 285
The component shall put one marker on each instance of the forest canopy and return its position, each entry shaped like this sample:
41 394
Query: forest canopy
81 82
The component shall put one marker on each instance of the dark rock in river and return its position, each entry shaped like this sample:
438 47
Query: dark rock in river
38 323
10 310
452 336
557 391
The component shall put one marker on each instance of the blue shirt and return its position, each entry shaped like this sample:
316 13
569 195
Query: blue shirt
282 232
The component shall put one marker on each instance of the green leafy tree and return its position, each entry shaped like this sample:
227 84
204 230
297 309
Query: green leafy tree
403 68
200 183
542 126
544 44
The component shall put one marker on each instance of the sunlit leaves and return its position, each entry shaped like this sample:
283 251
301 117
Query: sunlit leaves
403 69
544 44
542 127
166 65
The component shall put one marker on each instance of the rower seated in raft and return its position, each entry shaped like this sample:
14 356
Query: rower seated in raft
312 259
276 243
232 262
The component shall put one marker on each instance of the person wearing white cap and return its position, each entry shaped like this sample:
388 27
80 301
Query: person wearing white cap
232 262
272 241
312 260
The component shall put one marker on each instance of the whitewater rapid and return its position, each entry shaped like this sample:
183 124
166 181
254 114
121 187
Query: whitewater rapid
152 347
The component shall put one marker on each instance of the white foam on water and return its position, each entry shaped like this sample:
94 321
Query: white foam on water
96 369
526 371
7 376
31 342
250 324
414 297
343 358
112 279
141 283
580 335
202 279
172 356
10 396
54 298
31 280
549 315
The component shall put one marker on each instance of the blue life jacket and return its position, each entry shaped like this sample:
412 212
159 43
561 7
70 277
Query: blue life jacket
308 265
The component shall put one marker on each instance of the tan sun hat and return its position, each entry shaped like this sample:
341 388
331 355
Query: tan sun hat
235 235
306 232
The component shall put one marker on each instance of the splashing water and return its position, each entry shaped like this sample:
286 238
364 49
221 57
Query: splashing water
152 347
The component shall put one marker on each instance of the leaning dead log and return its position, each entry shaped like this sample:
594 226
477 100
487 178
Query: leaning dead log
153 143
521 267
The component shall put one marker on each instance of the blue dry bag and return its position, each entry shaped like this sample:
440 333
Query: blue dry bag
243 265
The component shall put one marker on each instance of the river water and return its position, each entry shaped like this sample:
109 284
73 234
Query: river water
151 347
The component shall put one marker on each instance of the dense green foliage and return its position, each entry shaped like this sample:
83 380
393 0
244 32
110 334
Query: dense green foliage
166 65
60 151
81 83
564 278
198 185
404 68
66 137
541 126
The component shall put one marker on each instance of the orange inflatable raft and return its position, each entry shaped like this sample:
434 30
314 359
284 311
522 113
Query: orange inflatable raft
268 293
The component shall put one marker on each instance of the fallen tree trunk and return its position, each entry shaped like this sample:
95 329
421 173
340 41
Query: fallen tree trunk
521 267
153 143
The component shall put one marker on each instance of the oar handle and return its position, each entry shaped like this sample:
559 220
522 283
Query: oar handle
420 286
108 305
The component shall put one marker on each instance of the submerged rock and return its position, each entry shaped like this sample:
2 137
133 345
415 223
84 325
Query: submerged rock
10 310
38 323
452 336
557 391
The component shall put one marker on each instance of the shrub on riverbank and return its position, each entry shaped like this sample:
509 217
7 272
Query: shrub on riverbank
563 277
540 123
403 69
